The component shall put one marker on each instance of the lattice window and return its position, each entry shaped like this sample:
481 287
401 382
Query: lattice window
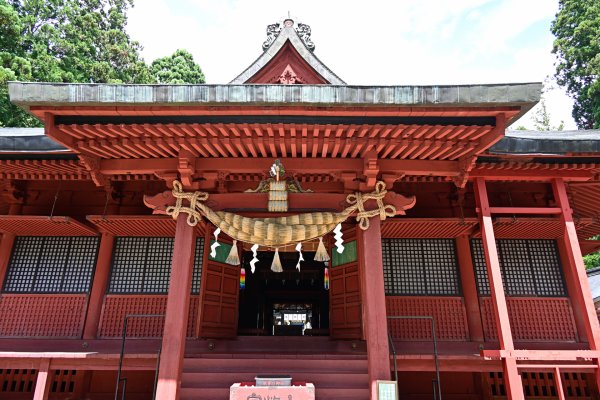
143 265
197 273
529 267
53 264
424 267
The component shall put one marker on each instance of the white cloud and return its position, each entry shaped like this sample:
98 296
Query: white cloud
375 42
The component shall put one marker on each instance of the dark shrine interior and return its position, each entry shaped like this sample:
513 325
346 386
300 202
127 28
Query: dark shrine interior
288 303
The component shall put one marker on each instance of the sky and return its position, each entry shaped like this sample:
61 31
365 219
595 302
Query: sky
395 42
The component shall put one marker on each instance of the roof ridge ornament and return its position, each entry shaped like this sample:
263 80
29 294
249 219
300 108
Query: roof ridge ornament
302 30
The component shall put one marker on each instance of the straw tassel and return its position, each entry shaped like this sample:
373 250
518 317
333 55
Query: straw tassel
276 266
233 258
321 254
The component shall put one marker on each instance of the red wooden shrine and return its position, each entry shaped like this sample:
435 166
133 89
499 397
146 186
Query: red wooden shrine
490 248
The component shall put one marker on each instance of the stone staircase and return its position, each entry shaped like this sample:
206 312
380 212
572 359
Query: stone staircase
340 373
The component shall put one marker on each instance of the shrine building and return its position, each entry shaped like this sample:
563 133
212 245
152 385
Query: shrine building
170 241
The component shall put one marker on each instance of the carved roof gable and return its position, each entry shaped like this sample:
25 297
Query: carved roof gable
288 46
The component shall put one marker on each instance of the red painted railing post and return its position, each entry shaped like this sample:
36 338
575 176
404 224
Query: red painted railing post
469 288
43 381
512 379
373 299
176 316
582 296
99 285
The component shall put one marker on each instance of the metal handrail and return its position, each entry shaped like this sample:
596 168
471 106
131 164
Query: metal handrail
119 371
393 347
436 383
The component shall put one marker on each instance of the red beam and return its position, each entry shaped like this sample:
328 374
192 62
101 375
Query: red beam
541 355
296 201
525 210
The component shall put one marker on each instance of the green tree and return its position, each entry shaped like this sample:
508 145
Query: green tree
177 68
76 41
577 46
592 260
542 120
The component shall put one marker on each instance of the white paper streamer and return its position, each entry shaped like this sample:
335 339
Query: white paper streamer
339 241
254 258
213 248
299 250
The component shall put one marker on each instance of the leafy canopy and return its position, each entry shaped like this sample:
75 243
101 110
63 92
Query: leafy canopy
577 46
82 41
177 68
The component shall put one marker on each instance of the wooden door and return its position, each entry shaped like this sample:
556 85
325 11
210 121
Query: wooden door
345 316
219 296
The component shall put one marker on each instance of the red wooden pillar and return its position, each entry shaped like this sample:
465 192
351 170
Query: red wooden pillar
6 245
575 271
512 379
44 379
99 285
176 316
373 299
469 288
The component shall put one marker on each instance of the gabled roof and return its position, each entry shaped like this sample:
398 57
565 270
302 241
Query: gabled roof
288 40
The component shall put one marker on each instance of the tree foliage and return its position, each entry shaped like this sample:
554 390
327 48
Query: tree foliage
577 46
72 41
177 68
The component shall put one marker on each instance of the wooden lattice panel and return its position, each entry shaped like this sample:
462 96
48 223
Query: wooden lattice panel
37 225
116 307
37 315
449 314
533 319
15 381
426 227
541 386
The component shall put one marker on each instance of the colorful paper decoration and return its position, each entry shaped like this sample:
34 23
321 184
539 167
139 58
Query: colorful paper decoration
243 278
326 279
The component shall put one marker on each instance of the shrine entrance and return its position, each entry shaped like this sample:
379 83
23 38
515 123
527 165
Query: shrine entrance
287 303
